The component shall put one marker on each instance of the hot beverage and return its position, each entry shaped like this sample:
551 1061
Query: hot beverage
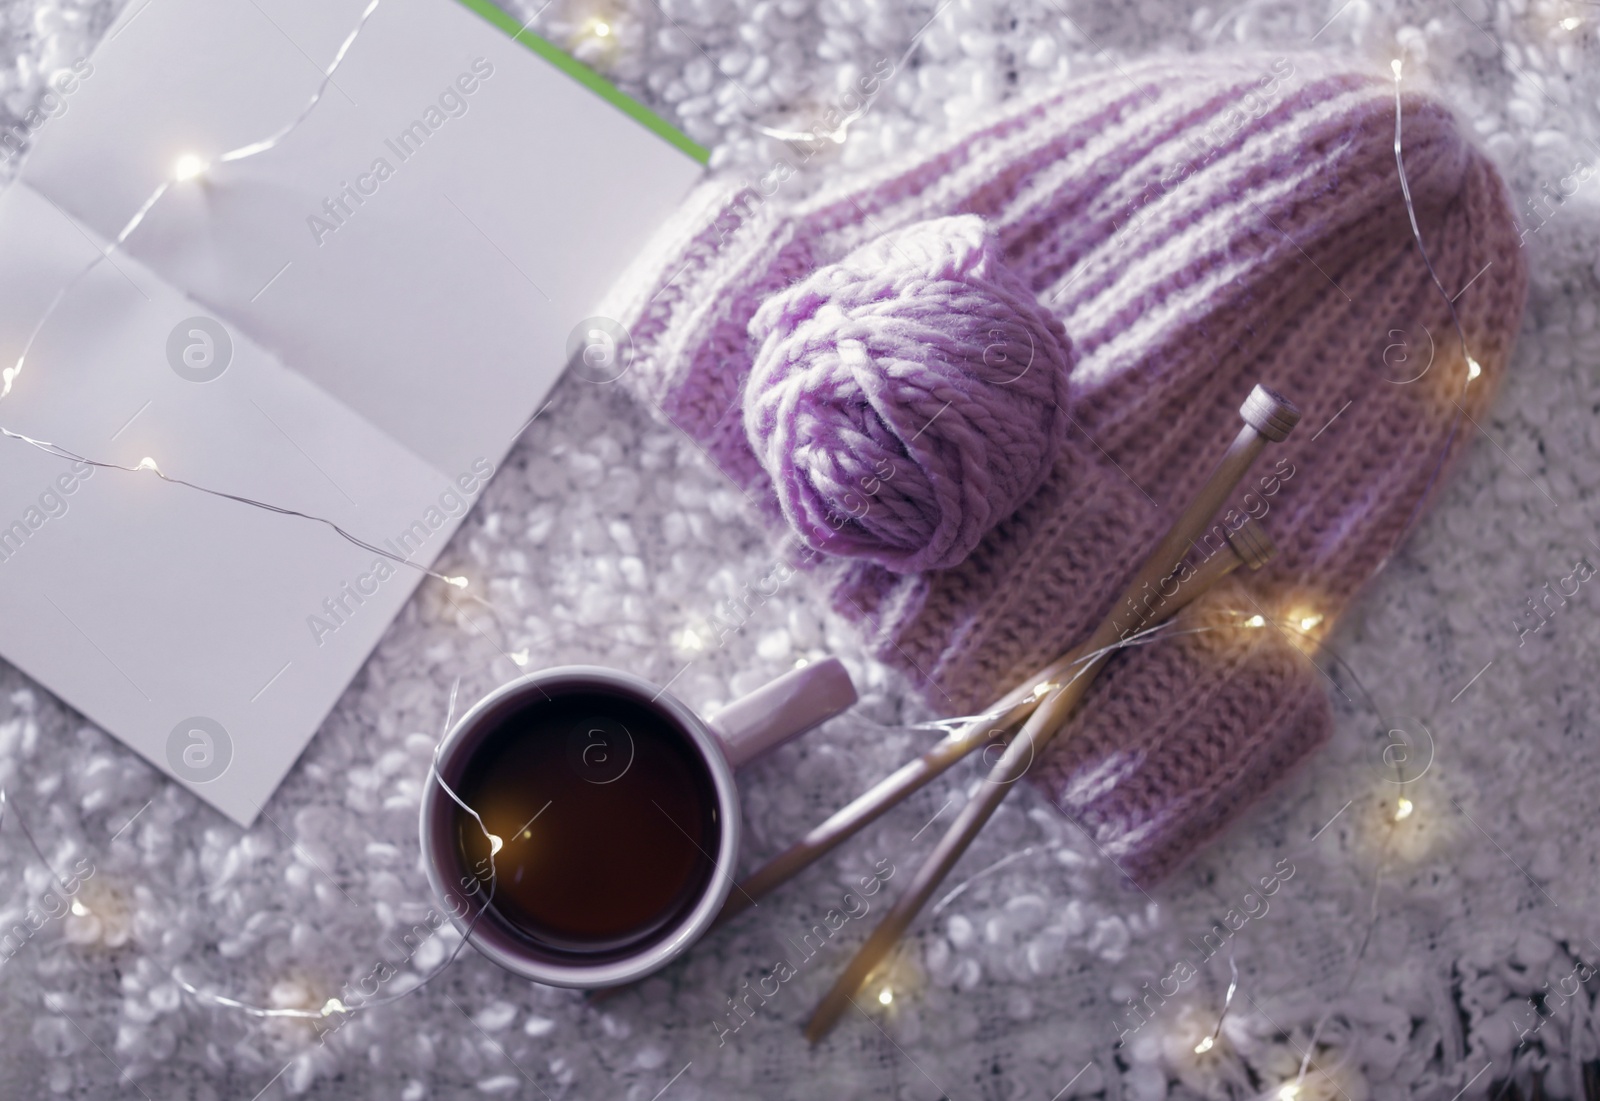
611 812
606 816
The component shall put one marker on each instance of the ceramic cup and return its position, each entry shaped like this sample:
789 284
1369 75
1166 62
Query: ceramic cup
732 737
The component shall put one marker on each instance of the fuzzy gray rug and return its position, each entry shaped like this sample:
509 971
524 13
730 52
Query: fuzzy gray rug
1423 954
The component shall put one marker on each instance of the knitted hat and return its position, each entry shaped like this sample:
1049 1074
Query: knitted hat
1195 226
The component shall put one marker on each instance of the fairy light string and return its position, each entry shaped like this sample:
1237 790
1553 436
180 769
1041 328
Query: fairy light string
1404 807
191 167
32 842
1474 368
335 1005
188 167
1300 623
1210 1041
1296 623
148 465
841 132
1292 1089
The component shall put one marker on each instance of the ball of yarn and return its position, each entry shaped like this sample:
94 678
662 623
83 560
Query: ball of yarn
907 399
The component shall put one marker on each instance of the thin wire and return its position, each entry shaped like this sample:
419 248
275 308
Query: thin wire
1366 941
1020 710
9 375
32 842
1455 319
1157 632
265 144
840 132
1227 999
60 452
334 1005
1411 212
1377 886
959 889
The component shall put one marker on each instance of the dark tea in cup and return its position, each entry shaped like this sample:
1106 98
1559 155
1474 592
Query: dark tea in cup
606 818
610 815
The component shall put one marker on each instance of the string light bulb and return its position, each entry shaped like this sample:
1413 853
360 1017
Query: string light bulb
188 167
1310 622
1474 368
600 28
1256 621
1571 23
1204 1046
147 463
79 909
458 581
1403 809
332 1006
1292 1090
885 996
495 844
1394 66
519 657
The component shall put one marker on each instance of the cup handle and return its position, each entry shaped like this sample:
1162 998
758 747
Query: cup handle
794 703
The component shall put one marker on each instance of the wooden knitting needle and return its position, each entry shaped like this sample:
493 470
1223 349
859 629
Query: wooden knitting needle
1248 546
1268 417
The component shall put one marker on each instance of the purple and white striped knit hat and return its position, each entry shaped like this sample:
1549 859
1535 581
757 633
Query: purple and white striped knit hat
971 389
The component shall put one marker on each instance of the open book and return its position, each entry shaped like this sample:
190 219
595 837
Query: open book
353 324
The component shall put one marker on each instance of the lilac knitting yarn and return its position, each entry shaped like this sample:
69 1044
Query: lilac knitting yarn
907 398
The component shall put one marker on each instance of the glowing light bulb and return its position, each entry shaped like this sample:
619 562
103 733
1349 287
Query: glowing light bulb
1403 809
1043 689
1292 1090
495 844
1255 621
1474 369
1571 23
79 908
188 167
1395 66
601 29
1307 622
1204 1046
689 639
147 463
885 996
332 1006
458 582
520 657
